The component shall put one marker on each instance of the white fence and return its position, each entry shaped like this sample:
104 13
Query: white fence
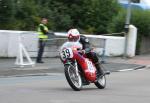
114 46
9 42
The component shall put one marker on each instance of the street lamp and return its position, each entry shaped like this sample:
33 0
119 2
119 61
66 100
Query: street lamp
126 27
127 23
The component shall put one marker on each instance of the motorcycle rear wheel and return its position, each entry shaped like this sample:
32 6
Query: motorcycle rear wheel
73 78
101 82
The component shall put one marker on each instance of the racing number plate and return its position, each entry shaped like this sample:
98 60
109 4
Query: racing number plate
66 53
91 68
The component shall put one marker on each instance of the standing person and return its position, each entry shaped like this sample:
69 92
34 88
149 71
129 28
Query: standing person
43 36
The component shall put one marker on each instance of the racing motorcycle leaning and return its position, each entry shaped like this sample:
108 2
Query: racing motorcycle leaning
78 69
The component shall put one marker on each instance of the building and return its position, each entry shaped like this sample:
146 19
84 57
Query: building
139 4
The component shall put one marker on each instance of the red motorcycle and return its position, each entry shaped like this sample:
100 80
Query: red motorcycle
79 70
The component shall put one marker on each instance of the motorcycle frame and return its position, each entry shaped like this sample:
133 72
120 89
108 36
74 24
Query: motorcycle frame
81 60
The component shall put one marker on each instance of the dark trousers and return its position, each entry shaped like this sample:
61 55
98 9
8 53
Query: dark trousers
41 46
93 56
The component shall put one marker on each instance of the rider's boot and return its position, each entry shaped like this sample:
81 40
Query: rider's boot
99 69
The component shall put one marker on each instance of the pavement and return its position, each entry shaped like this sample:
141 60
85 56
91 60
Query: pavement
54 66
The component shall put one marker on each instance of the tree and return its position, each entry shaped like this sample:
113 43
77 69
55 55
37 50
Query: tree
7 13
90 16
100 13
26 14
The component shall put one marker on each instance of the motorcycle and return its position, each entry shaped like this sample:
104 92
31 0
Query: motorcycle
78 69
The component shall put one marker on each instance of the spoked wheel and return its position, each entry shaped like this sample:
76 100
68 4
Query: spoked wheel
101 82
73 78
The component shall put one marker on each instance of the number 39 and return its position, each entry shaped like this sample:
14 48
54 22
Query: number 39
66 53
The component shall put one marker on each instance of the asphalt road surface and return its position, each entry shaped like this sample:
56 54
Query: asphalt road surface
122 87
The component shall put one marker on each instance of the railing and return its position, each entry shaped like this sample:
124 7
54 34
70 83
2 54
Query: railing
100 47
54 42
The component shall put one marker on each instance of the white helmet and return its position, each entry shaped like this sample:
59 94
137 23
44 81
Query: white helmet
73 35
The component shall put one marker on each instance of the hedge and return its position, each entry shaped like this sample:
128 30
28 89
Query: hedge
139 18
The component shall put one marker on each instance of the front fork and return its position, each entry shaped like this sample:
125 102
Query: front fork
76 68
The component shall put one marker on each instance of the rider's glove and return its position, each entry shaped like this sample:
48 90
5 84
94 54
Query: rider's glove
83 51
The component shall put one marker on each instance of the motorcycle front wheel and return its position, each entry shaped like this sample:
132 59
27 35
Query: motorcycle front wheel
73 78
101 82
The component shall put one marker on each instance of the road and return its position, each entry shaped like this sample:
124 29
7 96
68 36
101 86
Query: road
122 87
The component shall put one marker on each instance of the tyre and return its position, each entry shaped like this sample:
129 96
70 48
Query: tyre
73 78
101 82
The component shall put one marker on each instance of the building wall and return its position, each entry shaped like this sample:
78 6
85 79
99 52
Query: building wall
147 2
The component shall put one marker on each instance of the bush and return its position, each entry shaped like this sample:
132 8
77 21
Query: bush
99 14
139 18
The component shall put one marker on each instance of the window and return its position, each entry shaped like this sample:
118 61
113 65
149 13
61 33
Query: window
135 1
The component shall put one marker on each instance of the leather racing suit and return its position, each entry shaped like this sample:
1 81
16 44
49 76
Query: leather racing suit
91 55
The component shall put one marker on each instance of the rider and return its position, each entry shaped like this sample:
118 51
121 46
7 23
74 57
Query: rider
74 36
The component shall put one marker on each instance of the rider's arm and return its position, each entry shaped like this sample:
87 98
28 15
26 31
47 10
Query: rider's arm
86 44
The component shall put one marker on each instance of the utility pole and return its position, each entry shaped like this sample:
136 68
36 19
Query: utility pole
127 23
